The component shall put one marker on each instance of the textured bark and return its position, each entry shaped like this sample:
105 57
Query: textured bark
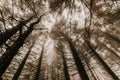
37 74
112 37
47 75
79 64
5 36
102 61
52 73
113 52
18 72
65 68
88 65
58 74
7 57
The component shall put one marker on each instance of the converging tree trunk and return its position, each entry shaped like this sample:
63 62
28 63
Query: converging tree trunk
79 64
37 74
65 68
7 57
53 72
89 67
102 61
112 37
6 35
18 72
113 52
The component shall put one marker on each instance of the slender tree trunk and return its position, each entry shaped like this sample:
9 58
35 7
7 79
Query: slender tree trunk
43 74
18 72
7 57
89 67
114 56
47 73
65 69
37 74
75 54
57 71
113 52
102 61
112 37
53 73
79 65
5 36
58 74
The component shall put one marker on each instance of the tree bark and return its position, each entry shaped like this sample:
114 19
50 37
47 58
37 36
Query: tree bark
113 52
88 66
65 69
7 57
5 36
79 64
112 37
53 72
18 72
37 74
102 61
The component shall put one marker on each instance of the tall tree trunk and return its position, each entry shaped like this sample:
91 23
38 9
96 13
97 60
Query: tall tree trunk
37 74
53 73
18 72
113 52
112 37
47 73
65 68
58 73
5 36
7 57
88 66
79 64
102 61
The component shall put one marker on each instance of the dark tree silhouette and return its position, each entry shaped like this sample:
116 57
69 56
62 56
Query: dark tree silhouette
79 64
102 61
6 35
84 33
18 72
37 74
6 58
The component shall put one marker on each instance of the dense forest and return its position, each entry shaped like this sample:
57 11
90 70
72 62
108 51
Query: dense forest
59 40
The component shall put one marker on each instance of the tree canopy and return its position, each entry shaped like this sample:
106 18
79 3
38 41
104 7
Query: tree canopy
59 40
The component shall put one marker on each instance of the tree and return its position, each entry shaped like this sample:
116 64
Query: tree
37 74
88 30
79 64
6 58
101 60
16 75
6 35
65 67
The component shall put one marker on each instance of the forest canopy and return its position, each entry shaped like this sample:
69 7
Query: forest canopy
59 40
